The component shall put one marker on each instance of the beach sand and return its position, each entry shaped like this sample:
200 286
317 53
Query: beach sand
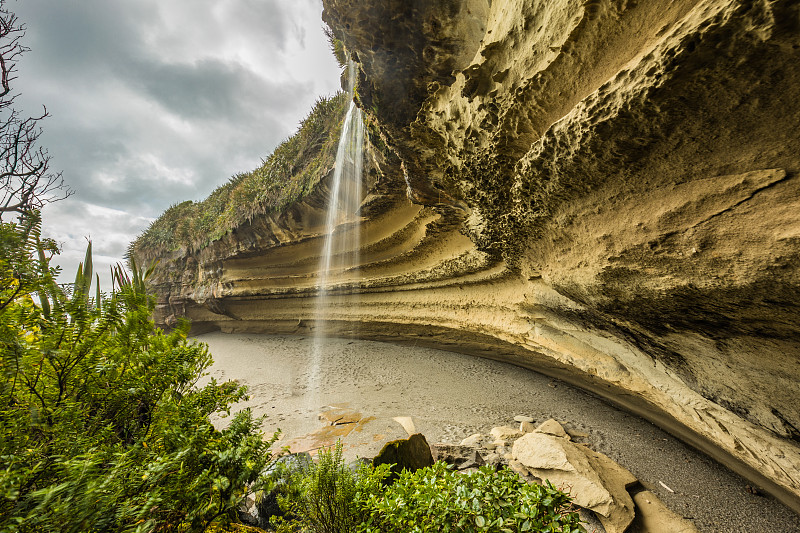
366 385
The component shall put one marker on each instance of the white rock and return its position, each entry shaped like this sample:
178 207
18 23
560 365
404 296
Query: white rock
543 452
526 427
523 418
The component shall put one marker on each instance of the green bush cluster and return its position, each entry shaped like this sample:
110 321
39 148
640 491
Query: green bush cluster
290 173
326 496
104 425
330 497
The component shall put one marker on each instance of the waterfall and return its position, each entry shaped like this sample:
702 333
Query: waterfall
340 252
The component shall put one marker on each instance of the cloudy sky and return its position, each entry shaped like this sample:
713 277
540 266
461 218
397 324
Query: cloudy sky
154 102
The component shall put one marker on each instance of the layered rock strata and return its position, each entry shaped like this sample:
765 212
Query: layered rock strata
605 191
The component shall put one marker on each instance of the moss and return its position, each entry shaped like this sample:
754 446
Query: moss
289 174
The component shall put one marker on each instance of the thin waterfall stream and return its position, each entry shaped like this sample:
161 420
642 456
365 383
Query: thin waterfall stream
340 253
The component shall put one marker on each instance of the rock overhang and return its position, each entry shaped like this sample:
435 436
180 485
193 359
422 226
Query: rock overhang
628 210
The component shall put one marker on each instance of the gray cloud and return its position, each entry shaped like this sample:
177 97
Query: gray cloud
210 89
155 102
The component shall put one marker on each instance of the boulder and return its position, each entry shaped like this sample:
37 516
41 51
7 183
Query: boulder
411 454
592 479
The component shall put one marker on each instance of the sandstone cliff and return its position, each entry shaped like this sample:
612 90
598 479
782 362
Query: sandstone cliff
604 190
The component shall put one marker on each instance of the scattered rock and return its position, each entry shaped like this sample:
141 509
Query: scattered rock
462 457
493 459
504 434
248 511
576 434
551 427
411 454
519 468
617 480
590 521
753 490
593 480
476 439
542 452
654 517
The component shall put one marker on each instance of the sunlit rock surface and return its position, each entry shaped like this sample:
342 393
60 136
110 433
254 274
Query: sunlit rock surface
605 191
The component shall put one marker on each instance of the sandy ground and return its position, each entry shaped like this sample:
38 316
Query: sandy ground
450 396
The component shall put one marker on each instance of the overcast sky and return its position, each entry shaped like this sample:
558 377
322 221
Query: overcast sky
156 102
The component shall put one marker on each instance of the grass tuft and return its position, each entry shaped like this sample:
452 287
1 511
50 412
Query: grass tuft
289 174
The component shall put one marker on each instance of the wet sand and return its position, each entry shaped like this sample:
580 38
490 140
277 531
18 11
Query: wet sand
451 396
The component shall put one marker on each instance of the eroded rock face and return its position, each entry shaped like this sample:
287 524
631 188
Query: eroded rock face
606 191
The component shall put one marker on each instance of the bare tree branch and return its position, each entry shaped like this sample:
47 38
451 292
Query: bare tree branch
26 180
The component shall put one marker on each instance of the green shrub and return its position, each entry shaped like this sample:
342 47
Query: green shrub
103 425
437 499
326 496
329 497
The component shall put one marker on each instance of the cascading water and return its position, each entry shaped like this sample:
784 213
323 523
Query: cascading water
339 260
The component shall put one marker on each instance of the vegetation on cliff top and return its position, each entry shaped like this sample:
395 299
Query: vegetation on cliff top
290 173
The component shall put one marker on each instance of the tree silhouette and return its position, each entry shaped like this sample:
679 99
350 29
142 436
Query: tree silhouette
26 181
